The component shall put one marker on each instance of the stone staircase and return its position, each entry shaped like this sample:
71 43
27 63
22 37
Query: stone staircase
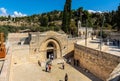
54 62
58 61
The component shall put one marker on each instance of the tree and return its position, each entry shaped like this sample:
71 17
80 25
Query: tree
104 34
5 31
44 21
66 17
73 28
80 13
118 18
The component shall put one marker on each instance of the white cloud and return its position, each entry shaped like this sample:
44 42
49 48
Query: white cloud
3 12
18 14
93 11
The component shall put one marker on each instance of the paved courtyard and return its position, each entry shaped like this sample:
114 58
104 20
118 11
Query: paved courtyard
23 70
33 72
95 44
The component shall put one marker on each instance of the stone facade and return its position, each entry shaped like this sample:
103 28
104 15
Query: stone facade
84 32
47 43
99 63
15 38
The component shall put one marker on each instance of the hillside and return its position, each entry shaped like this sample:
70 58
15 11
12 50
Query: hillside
46 19
53 20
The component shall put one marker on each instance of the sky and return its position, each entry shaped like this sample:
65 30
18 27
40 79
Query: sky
18 8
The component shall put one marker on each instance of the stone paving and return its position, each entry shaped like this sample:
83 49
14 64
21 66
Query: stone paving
24 70
33 72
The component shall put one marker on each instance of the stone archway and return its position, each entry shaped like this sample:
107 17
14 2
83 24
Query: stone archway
48 47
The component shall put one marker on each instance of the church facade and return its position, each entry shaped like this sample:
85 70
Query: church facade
84 32
49 44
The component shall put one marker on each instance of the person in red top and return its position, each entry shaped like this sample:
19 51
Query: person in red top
49 66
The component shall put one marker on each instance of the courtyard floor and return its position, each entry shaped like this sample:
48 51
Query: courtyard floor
33 72
95 44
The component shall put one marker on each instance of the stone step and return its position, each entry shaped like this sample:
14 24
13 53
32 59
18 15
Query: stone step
58 61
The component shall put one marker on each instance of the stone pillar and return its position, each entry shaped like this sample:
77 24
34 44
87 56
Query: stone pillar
79 26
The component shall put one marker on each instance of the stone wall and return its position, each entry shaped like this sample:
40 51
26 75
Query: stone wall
99 63
5 71
14 38
70 45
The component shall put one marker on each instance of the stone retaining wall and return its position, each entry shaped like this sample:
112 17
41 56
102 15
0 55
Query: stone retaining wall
99 63
5 72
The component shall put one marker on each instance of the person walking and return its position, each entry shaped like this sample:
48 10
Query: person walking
66 77
46 68
39 62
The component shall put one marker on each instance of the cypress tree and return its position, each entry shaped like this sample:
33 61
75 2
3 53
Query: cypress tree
118 18
66 17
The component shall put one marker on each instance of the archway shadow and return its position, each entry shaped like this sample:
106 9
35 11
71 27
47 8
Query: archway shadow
87 73
69 55
117 78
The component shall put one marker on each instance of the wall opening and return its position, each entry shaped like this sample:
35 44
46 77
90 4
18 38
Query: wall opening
51 51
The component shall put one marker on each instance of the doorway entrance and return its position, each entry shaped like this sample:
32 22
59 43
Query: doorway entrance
50 53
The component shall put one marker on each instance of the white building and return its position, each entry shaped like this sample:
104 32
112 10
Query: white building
82 31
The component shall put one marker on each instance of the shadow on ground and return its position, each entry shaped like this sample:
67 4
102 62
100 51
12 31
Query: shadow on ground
86 73
80 69
117 78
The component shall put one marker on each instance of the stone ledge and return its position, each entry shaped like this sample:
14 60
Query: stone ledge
6 67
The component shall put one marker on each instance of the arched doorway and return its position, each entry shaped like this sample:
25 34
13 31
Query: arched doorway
51 51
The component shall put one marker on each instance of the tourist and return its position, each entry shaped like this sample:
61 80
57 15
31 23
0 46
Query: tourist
63 66
69 61
49 66
74 62
66 77
46 68
39 62
52 56
49 56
